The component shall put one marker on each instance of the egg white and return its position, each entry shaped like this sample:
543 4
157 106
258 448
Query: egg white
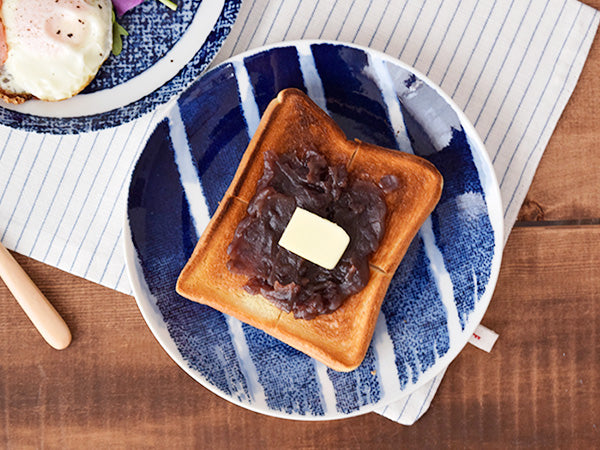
55 47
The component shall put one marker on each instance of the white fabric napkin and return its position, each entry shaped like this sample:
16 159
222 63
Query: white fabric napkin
511 66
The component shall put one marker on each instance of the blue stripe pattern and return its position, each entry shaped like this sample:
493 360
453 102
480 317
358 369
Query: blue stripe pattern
51 204
501 145
516 71
226 129
353 99
12 170
89 191
200 332
415 316
286 374
474 48
443 39
37 153
37 195
558 97
70 197
359 388
562 47
466 243
282 71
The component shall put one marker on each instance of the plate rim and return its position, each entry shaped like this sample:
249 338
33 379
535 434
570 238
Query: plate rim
494 208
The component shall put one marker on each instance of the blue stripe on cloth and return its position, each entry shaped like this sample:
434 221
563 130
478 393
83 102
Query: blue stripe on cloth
404 407
443 38
200 333
110 256
119 277
6 143
12 170
379 23
426 397
312 14
490 51
362 21
112 208
345 19
412 29
542 96
435 17
91 186
500 70
531 78
70 197
462 36
29 172
273 22
328 17
51 204
40 188
125 179
109 261
523 58
393 33
552 111
468 63
237 40
294 15
262 16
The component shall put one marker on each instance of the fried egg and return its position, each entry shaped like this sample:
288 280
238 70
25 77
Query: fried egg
52 49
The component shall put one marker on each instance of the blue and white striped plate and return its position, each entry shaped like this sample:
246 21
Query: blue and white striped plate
163 54
436 298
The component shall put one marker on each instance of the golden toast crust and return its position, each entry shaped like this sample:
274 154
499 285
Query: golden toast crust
15 99
292 122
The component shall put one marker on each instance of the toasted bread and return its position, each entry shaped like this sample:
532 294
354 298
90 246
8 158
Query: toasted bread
292 122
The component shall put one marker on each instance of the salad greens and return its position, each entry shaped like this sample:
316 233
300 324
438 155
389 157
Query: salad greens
118 31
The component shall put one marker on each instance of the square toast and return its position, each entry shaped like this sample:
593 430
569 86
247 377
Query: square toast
293 122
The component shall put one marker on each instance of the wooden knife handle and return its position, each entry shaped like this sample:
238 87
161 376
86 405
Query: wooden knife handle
42 314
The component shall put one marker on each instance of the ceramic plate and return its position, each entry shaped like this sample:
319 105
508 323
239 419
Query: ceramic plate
437 296
164 52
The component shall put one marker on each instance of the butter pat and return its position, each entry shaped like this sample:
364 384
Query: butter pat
313 238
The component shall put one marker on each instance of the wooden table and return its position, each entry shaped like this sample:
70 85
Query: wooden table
540 385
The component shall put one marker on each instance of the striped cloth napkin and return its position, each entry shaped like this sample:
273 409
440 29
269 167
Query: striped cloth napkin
511 66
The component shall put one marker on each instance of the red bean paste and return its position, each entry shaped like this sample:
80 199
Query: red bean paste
287 280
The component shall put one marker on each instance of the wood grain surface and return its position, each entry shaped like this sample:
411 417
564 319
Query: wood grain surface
116 387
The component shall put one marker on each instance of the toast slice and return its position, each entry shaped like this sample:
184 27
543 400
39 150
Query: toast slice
292 122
